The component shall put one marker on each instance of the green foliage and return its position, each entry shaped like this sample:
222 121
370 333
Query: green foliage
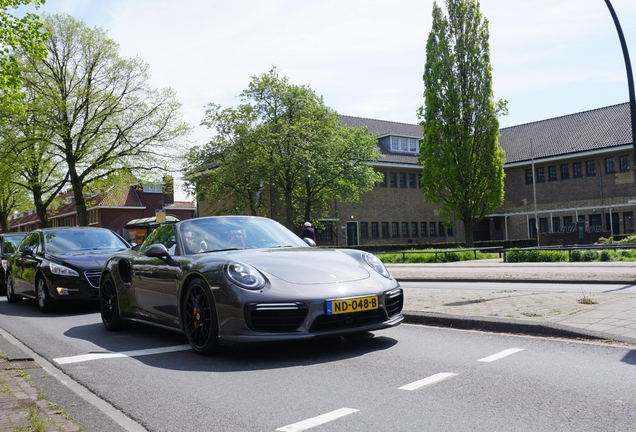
17 34
575 256
430 256
460 154
630 239
589 255
282 140
536 256
604 256
95 111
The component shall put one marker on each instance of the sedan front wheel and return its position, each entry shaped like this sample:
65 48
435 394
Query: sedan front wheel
45 302
198 318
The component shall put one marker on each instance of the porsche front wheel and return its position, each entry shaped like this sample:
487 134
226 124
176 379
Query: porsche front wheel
109 304
199 320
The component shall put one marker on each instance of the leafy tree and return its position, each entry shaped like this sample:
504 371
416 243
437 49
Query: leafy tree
231 165
307 147
24 34
103 116
462 159
12 196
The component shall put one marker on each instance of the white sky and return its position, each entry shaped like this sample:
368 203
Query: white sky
366 57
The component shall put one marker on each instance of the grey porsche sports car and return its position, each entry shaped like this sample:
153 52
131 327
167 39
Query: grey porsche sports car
230 280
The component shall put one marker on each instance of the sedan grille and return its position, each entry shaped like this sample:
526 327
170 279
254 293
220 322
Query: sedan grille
394 301
275 317
93 278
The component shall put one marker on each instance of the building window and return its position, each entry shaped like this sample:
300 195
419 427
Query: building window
432 227
412 181
326 233
402 180
423 229
565 171
385 229
581 218
153 188
540 174
441 229
532 228
590 168
419 181
543 225
624 163
364 229
577 170
568 221
449 230
595 220
413 229
552 173
404 144
556 224
413 145
609 165
529 176
374 229
383 181
393 179
405 229
394 229
395 143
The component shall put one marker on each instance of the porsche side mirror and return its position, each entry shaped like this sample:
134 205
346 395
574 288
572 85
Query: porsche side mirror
157 250
26 251
309 241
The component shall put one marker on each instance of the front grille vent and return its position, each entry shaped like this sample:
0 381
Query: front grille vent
394 301
275 317
348 320
93 278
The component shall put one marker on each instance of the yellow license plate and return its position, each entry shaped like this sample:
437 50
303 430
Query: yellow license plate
352 305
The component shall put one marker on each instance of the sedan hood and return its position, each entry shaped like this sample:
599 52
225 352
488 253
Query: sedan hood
84 260
305 266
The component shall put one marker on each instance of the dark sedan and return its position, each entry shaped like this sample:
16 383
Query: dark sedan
236 279
9 243
60 264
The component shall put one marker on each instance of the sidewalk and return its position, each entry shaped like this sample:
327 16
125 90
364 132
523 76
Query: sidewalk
610 316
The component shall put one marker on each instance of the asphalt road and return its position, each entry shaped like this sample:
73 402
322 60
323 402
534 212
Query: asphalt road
410 378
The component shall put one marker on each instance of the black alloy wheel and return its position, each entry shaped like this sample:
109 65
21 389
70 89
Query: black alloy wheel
108 304
199 320
12 297
45 302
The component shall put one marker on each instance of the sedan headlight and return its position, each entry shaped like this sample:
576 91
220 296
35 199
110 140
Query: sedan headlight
245 276
376 264
62 271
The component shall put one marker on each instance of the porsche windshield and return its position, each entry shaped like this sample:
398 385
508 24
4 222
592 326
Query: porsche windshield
210 234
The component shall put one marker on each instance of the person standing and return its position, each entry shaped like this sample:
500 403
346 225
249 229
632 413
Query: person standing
309 232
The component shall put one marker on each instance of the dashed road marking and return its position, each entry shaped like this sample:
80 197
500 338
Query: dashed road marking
500 355
426 381
137 353
316 421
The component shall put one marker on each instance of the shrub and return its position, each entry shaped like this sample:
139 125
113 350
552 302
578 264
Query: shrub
605 256
575 256
589 255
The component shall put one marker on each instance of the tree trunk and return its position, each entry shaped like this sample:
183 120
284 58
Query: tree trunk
289 210
468 232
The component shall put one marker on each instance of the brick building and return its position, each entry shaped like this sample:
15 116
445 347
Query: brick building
113 210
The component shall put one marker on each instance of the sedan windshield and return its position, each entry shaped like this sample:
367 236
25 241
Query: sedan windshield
61 241
212 234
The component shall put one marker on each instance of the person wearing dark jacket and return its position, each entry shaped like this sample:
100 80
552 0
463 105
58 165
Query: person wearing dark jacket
309 232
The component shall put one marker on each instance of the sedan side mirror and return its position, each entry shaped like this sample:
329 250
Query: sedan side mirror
26 251
157 250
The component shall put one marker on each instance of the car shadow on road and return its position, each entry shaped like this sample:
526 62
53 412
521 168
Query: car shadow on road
630 358
29 308
244 358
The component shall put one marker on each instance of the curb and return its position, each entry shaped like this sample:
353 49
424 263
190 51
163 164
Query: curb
542 281
501 325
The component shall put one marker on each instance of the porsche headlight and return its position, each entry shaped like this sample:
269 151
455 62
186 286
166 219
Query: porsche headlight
376 264
245 276
62 271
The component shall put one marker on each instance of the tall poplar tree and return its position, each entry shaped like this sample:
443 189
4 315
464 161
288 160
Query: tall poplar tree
462 159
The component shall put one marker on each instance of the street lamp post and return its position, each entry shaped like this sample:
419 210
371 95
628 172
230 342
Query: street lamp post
630 79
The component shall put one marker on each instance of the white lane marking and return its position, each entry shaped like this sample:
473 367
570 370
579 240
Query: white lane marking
426 381
500 355
317 421
89 357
